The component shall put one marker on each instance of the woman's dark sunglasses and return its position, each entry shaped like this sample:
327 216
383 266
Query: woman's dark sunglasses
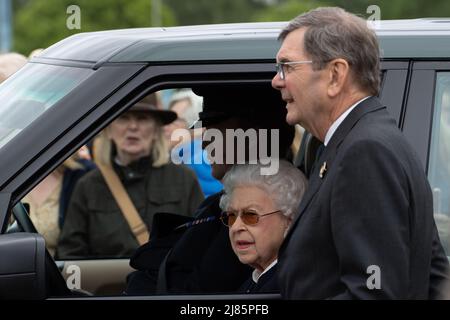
248 217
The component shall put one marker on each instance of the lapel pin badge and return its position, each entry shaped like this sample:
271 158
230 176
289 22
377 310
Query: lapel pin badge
323 170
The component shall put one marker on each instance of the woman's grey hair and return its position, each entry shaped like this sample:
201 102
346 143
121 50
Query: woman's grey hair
286 187
333 33
190 115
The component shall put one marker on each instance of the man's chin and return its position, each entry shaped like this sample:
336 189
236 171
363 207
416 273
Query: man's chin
291 120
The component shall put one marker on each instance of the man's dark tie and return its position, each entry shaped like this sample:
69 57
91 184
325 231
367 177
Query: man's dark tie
319 152
251 287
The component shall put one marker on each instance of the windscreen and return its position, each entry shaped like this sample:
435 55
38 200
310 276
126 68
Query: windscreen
31 91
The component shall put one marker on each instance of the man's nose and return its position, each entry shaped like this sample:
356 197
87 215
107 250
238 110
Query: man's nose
277 82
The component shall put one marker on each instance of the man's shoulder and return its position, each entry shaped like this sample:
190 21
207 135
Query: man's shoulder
377 138
376 129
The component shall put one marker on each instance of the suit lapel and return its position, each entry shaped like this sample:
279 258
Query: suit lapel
326 159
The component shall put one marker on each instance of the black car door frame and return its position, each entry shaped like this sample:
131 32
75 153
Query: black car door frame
85 112
77 118
418 119
393 86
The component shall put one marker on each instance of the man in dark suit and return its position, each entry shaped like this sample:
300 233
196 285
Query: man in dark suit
365 228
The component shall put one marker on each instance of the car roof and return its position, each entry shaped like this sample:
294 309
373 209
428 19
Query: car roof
413 38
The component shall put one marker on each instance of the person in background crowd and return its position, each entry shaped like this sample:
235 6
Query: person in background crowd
186 105
10 63
134 148
188 148
49 200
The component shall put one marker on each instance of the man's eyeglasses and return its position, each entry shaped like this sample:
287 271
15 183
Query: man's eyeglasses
248 217
281 67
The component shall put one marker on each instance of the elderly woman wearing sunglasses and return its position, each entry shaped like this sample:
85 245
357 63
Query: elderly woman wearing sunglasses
258 209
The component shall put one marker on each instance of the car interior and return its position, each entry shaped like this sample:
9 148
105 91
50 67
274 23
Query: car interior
106 276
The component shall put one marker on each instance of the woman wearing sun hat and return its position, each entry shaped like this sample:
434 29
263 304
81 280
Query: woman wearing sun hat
135 148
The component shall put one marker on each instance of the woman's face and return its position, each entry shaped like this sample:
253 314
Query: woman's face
133 134
256 245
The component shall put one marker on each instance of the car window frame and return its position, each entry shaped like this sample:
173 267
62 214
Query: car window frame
417 122
25 160
393 86
68 135
93 119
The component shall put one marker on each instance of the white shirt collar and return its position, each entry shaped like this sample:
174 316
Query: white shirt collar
339 120
256 274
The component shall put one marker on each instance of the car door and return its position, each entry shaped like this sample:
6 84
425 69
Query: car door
393 86
52 136
100 104
426 125
42 109
107 276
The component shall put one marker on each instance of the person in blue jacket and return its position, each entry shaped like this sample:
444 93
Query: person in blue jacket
189 151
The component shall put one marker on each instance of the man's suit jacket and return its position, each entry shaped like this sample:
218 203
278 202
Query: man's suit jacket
371 209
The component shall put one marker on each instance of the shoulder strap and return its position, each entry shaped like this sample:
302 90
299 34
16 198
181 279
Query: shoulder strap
130 213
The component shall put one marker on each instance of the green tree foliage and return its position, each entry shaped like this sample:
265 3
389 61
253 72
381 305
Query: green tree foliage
40 23
188 12
286 10
398 9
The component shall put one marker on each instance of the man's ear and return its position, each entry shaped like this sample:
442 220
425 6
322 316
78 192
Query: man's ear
338 75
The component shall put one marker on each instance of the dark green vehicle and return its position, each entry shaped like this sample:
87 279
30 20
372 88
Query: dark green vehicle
60 100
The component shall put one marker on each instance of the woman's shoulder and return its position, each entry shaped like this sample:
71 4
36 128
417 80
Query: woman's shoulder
91 177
